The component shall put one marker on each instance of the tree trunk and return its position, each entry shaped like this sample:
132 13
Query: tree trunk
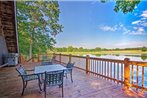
31 45
30 51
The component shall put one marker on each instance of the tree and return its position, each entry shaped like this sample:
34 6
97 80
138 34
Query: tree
124 5
81 49
70 49
97 49
144 49
37 25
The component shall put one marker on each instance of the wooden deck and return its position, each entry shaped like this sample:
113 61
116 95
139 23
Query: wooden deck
84 86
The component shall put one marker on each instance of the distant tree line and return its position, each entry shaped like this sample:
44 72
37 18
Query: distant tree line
81 49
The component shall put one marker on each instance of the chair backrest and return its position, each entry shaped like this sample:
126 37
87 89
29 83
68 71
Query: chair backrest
44 57
21 70
54 78
53 59
70 65
46 63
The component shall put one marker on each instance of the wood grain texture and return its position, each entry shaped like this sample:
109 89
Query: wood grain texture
83 86
8 25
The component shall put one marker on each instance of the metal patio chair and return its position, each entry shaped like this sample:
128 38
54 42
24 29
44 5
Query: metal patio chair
46 63
54 78
69 69
27 77
49 62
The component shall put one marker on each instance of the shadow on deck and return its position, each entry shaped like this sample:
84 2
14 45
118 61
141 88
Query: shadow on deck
84 86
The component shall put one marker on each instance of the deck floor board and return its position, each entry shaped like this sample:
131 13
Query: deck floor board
84 86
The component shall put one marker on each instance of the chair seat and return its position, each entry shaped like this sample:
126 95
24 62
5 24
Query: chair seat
54 78
67 71
27 77
69 67
54 83
31 77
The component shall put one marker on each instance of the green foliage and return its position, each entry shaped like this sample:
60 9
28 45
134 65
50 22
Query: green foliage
144 49
124 5
143 56
74 49
97 49
37 25
70 49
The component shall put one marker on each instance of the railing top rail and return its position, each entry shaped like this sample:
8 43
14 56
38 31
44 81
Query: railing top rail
72 55
94 58
105 59
138 63
45 53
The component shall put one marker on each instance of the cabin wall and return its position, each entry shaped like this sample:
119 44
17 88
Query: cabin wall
8 22
3 47
3 50
8 34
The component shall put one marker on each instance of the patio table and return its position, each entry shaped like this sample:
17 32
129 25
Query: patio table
48 68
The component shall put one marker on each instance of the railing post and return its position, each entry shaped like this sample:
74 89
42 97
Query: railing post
33 59
60 58
38 58
70 55
126 73
20 58
54 58
53 54
87 64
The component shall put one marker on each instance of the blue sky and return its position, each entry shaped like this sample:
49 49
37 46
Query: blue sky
91 24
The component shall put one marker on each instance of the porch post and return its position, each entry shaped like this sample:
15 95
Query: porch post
60 58
70 55
126 73
87 64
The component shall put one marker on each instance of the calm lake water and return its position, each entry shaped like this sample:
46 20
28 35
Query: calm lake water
138 57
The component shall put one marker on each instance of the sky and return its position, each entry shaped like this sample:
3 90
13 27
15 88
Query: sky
92 24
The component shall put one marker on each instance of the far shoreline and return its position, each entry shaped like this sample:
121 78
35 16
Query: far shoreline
112 52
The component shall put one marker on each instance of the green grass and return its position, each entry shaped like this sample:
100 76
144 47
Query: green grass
126 52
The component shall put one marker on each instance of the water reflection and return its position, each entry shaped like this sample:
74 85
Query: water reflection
138 57
143 56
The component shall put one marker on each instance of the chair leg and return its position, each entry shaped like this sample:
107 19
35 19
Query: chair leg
24 86
71 76
44 91
39 82
66 75
62 91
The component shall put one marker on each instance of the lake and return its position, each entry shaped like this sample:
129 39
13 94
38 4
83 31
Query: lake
132 57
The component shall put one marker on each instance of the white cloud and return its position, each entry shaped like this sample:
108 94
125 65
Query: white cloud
142 21
108 28
144 14
136 22
135 31
121 28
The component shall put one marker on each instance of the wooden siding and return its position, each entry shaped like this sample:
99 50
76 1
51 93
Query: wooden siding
3 50
8 25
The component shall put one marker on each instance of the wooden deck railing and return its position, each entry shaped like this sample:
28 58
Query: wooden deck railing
126 72
129 73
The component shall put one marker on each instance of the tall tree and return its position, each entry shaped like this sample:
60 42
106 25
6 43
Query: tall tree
37 25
